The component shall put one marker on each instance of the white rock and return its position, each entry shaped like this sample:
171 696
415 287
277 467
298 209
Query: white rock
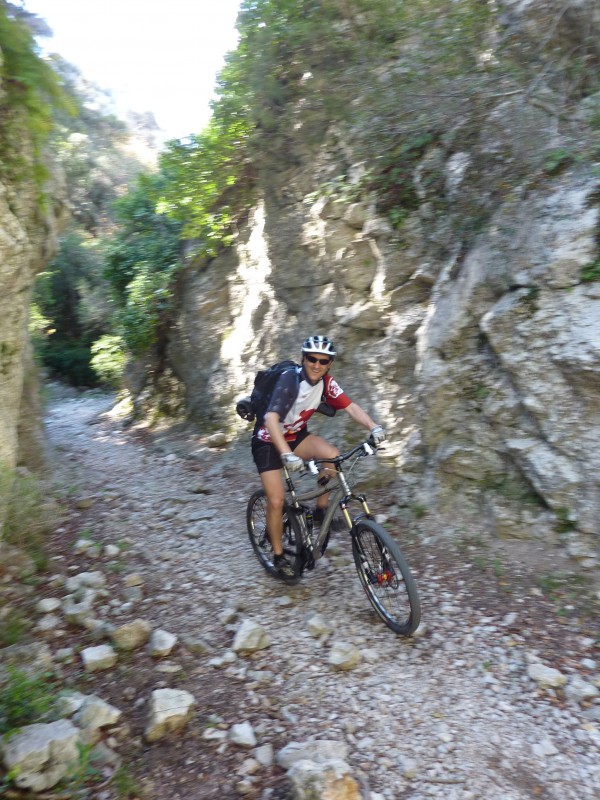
161 643
132 635
90 580
77 607
544 748
83 546
48 623
264 755
96 713
242 734
170 710
48 605
98 658
318 626
69 702
40 755
250 637
111 550
344 656
329 779
546 677
317 751
579 690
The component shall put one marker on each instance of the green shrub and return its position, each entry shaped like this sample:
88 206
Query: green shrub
31 90
108 360
69 360
591 272
25 700
13 626
30 514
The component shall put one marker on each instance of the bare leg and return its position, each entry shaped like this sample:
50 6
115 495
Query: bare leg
316 447
273 486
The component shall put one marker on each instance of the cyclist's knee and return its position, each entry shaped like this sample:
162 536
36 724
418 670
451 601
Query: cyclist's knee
275 501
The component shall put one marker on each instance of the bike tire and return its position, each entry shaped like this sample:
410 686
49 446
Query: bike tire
386 578
256 520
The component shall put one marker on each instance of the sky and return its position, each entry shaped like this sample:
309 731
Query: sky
152 55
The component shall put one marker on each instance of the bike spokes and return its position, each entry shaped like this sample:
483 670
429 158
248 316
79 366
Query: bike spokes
385 577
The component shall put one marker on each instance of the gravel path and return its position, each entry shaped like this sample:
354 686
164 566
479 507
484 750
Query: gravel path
451 713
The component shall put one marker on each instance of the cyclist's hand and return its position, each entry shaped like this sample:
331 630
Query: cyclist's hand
292 462
378 435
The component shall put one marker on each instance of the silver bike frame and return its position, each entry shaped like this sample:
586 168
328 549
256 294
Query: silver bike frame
339 488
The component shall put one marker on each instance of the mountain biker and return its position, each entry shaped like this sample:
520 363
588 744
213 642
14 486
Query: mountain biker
283 436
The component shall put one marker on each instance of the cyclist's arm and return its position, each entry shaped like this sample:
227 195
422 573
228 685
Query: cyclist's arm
360 415
272 424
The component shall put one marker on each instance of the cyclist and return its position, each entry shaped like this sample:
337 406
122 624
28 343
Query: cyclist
283 436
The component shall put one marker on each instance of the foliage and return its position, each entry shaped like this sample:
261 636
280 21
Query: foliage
24 700
31 89
108 359
208 181
591 272
72 305
30 513
13 626
125 784
143 260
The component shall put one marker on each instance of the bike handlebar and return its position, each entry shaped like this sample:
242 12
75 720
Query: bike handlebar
368 449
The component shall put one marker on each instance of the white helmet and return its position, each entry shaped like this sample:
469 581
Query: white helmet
319 344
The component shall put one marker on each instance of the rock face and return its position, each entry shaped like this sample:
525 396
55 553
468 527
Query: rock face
480 353
28 239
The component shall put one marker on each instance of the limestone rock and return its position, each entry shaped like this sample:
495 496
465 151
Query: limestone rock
41 755
317 751
546 677
242 734
318 626
330 779
161 643
170 710
98 658
344 656
250 637
47 605
132 635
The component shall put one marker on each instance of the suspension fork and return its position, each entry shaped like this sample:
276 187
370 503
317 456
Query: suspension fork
349 495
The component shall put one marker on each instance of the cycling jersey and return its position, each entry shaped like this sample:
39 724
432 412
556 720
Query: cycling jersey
296 406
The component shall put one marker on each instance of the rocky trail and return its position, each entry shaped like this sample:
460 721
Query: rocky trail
496 697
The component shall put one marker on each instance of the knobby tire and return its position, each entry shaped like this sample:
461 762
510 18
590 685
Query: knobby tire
386 577
256 520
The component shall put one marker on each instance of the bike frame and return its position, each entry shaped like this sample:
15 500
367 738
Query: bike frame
342 496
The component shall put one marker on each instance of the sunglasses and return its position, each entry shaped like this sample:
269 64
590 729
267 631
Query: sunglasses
322 361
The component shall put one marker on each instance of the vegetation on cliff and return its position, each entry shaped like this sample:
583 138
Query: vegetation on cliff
402 85
30 92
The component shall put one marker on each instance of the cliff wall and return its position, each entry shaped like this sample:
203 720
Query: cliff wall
479 353
28 240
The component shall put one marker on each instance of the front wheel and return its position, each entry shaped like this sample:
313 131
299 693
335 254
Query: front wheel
256 520
386 577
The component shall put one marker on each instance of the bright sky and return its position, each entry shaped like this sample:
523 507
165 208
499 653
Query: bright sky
153 55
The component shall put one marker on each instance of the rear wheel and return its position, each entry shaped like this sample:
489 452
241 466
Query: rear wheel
386 577
256 519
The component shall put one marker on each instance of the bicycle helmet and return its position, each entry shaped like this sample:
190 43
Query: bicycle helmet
319 344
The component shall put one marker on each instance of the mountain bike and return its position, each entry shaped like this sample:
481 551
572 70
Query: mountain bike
382 569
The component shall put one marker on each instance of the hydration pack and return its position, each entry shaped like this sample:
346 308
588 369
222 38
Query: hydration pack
255 406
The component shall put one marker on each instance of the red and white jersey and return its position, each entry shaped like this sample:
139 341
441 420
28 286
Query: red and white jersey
307 401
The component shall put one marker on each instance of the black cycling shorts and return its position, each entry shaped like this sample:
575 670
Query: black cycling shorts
267 457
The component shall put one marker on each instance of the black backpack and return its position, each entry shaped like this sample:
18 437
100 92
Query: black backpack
255 406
